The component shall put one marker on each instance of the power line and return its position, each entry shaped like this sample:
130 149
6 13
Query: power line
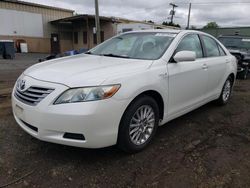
183 3
212 3
172 12
200 3
208 3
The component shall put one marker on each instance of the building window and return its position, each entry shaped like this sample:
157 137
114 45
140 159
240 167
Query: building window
102 36
85 37
95 39
76 37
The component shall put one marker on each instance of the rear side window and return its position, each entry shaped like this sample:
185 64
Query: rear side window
191 43
211 47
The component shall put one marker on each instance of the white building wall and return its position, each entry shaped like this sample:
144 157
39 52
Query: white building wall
123 27
19 23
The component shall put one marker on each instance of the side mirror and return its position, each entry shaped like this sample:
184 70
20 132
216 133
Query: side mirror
185 56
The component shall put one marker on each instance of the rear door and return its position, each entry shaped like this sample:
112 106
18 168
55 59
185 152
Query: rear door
216 60
187 80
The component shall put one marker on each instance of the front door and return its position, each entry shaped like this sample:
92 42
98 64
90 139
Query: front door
187 80
55 43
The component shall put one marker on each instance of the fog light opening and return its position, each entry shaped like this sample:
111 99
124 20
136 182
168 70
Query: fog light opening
74 136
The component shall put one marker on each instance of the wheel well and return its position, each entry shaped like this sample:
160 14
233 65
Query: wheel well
232 77
157 97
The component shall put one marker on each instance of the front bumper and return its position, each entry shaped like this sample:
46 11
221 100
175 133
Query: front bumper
97 121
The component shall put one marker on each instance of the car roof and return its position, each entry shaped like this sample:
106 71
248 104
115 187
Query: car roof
176 31
156 31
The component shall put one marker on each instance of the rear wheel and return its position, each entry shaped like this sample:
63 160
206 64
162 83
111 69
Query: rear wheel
226 92
138 125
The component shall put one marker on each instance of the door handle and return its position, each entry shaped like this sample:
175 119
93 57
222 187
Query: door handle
227 61
164 75
204 66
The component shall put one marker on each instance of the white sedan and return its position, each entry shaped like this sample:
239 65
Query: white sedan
119 92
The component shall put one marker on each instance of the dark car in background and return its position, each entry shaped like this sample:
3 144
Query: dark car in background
239 46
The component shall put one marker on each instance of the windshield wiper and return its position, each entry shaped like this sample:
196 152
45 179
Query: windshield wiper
114 55
88 52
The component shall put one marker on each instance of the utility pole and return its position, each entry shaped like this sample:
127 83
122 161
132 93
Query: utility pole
189 13
97 23
172 12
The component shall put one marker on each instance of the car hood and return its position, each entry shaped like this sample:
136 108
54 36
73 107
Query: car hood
85 70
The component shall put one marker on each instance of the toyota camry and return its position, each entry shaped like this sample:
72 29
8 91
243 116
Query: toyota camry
119 92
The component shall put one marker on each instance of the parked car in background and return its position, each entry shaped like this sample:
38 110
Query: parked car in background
239 46
122 90
64 54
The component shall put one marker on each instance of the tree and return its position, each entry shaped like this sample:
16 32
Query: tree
211 25
193 27
171 24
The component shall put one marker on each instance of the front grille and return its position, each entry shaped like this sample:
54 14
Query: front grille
33 95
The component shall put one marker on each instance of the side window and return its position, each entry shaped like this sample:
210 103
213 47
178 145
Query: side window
191 43
211 47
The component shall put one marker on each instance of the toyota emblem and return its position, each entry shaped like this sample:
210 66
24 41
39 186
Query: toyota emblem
22 85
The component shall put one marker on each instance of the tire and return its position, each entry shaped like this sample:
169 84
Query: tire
135 133
226 92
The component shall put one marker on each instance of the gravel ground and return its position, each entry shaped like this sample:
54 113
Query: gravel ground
209 147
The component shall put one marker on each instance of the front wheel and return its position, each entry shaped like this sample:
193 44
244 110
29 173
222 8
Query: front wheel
138 125
226 92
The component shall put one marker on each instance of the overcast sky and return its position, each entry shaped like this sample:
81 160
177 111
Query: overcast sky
224 12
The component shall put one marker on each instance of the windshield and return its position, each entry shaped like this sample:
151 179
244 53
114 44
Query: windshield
148 46
237 42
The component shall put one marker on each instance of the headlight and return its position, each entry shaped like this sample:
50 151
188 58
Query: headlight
87 94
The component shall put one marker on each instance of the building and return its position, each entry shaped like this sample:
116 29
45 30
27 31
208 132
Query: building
126 25
29 22
77 32
216 32
49 29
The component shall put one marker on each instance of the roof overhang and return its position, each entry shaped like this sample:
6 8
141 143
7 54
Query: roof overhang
81 17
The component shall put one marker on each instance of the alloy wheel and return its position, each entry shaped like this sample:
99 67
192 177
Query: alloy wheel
142 125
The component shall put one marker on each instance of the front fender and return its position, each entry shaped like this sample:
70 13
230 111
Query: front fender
154 78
